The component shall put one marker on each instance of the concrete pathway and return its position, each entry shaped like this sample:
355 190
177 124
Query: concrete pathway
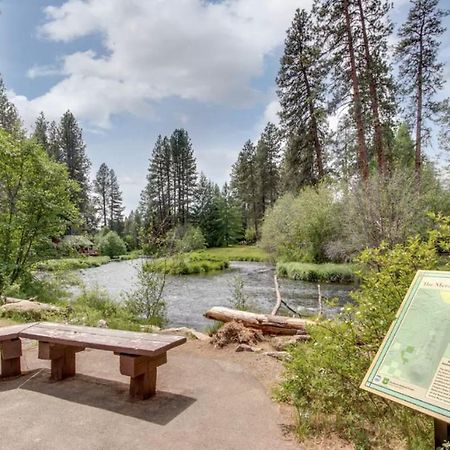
203 402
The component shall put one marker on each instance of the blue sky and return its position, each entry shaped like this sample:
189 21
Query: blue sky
130 70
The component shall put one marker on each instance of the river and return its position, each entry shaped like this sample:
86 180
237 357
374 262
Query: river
189 296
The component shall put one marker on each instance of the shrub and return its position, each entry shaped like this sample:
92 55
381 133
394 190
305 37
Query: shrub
299 228
110 244
386 209
322 380
192 239
239 300
146 301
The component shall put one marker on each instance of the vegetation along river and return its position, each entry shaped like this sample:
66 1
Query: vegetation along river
188 297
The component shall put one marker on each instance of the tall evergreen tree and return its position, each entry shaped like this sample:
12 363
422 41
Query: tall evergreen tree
115 203
40 133
244 183
421 73
205 213
102 188
267 166
9 118
73 152
229 223
184 169
301 87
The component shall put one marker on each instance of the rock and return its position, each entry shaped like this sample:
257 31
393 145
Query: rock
102 324
149 328
200 336
244 348
281 343
27 306
281 356
188 332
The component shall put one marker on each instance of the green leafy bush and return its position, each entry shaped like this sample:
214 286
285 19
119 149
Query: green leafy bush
146 301
192 239
111 244
300 228
323 378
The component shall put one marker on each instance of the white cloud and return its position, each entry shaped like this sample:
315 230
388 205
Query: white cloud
155 49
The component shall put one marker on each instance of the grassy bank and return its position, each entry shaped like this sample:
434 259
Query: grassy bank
324 273
187 264
82 262
61 264
87 309
236 253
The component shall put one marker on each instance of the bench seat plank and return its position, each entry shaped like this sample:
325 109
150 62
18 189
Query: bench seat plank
13 331
145 344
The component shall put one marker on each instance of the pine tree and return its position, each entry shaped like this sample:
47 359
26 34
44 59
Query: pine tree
184 171
115 203
40 133
102 187
297 169
403 150
73 154
301 86
374 29
54 150
9 118
244 183
267 161
205 212
229 222
421 73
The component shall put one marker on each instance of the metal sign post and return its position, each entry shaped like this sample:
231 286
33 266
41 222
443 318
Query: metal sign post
441 433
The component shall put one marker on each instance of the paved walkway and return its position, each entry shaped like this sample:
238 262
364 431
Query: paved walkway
202 403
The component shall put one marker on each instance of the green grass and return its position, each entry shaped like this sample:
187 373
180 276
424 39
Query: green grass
237 253
82 262
87 309
325 273
187 264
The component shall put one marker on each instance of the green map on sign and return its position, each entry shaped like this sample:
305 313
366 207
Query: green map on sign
422 340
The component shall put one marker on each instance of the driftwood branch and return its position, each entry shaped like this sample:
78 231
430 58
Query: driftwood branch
280 301
267 323
277 291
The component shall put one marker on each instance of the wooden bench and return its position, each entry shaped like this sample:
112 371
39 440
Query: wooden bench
140 354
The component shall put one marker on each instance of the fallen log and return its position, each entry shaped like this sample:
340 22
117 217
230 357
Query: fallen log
267 323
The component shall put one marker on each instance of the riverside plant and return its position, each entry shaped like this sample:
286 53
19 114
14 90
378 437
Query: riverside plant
323 376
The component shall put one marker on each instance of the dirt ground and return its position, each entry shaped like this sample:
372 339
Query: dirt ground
207 398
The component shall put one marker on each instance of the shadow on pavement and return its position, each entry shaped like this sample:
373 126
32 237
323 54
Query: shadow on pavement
103 394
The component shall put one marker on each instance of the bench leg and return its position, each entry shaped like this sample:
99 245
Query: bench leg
11 351
142 371
62 359
144 386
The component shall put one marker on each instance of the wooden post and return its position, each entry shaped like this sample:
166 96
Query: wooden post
441 433
142 371
62 359
11 351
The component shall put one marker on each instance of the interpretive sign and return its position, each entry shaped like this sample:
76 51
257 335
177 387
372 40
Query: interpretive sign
412 366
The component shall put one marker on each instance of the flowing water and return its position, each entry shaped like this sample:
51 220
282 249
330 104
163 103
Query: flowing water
188 297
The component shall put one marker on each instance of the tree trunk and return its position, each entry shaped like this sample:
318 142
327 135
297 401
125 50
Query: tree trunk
265 322
357 108
418 162
374 103
314 127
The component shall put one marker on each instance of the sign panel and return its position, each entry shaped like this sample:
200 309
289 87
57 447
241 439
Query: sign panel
412 366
